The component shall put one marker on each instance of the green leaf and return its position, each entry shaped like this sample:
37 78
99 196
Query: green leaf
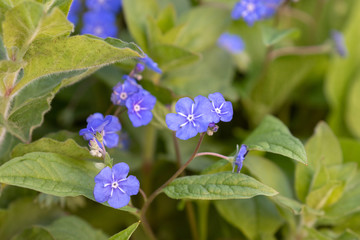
68 148
136 15
272 36
159 114
29 22
348 235
224 185
125 234
342 71
352 112
170 57
16 214
257 218
37 233
53 174
315 234
289 203
74 228
350 149
201 18
324 195
269 173
273 136
167 18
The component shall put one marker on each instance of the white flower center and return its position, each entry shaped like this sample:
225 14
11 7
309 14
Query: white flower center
98 30
137 108
190 117
217 110
114 184
250 7
123 95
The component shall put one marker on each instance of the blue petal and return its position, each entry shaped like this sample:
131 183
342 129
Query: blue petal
186 132
144 119
217 99
227 107
95 116
120 170
118 199
101 193
183 105
113 124
111 140
104 176
204 107
148 102
131 185
173 121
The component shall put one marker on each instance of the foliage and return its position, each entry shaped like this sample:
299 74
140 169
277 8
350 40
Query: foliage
276 86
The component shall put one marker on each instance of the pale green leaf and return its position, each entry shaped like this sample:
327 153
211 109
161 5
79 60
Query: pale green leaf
136 15
348 235
272 36
313 233
197 35
125 234
53 174
273 136
350 149
289 203
29 22
352 112
159 113
167 18
257 218
342 71
224 185
325 195
170 57
68 148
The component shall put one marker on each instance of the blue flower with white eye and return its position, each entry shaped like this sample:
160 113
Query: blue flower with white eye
240 157
339 42
150 64
101 24
139 108
74 11
107 127
231 43
223 109
255 10
122 91
191 117
104 5
113 186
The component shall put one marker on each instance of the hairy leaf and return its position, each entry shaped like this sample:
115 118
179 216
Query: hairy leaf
273 136
224 185
125 234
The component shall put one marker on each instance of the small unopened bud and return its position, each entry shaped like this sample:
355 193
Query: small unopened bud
139 67
213 128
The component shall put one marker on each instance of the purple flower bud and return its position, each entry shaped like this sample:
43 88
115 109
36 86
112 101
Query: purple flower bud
231 43
339 42
139 68
240 157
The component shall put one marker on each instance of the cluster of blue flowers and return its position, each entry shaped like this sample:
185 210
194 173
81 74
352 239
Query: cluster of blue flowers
255 10
100 19
196 116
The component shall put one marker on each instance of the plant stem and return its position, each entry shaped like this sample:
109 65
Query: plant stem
300 51
176 174
212 154
192 220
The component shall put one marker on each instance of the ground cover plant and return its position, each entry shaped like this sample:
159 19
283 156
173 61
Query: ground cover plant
192 119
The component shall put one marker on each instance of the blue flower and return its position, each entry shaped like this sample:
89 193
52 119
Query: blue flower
139 68
224 110
104 5
254 10
191 118
339 42
101 24
150 64
240 157
74 11
113 186
122 91
231 42
107 127
139 108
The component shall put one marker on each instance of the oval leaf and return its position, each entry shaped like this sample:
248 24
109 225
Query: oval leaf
273 136
225 185
125 234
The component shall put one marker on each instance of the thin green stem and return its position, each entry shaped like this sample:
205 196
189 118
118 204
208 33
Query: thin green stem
300 51
192 220
176 174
